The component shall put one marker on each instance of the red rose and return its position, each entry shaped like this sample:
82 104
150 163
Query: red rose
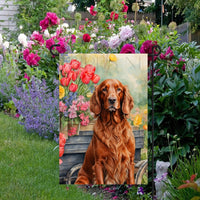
128 48
73 87
75 64
90 70
65 81
113 15
95 78
86 37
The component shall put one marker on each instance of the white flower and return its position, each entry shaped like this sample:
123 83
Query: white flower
70 30
46 33
22 39
6 44
126 32
1 39
114 42
65 25
20 27
93 35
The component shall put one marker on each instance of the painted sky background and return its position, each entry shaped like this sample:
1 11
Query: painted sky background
130 69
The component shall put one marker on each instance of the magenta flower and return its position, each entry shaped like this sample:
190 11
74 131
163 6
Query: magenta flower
128 48
17 115
181 60
147 48
168 55
38 37
92 12
44 23
73 38
32 59
26 76
115 197
54 20
25 53
49 43
62 47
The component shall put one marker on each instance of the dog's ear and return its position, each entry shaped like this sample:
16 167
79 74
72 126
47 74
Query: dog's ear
95 104
128 103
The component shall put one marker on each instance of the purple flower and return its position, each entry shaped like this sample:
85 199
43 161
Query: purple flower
140 191
126 33
1 59
38 107
114 42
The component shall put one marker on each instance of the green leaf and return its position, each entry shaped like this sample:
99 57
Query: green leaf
174 158
171 84
159 119
197 69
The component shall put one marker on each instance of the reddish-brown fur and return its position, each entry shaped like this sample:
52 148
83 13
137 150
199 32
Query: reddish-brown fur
109 158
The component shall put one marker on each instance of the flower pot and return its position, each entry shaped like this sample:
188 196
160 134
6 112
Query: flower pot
73 128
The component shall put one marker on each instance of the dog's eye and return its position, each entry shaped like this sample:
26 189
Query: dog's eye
104 90
119 90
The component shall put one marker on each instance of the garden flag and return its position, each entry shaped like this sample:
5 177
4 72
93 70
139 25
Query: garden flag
103 118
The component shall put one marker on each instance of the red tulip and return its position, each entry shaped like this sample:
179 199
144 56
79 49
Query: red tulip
85 78
65 81
73 87
90 70
61 151
75 64
95 78
66 69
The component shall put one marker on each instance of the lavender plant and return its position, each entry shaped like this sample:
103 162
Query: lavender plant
38 108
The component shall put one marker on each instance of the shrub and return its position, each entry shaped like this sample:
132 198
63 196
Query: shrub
184 170
38 107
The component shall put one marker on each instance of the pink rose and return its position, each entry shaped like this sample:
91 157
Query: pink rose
38 37
26 53
62 47
113 15
32 59
44 23
92 12
49 43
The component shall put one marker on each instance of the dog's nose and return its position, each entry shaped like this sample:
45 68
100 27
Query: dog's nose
112 100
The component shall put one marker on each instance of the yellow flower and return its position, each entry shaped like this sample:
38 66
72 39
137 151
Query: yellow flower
112 57
61 92
89 94
60 77
138 120
145 111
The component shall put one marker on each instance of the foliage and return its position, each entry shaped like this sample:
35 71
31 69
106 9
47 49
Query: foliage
8 74
31 12
38 108
81 5
137 193
176 107
184 170
190 9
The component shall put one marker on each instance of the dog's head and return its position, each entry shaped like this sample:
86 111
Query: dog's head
111 95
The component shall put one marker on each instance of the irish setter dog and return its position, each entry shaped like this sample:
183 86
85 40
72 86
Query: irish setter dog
109 158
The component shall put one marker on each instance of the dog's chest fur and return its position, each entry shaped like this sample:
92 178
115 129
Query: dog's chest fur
115 139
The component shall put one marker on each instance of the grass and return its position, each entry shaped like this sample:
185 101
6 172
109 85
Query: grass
29 167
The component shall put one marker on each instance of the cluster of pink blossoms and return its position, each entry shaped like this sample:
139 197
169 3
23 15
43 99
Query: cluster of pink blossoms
51 19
